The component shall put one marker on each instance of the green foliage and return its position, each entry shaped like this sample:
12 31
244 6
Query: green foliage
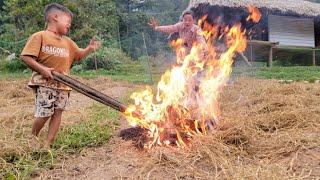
291 73
114 54
296 73
284 62
15 75
118 23
2 61
94 17
134 74
23 166
21 18
287 58
134 17
106 58
88 134
15 65
77 68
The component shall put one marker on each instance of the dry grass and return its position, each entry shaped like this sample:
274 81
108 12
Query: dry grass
268 130
16 109
18 159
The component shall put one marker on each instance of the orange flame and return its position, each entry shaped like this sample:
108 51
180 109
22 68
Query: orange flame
187 96
255 14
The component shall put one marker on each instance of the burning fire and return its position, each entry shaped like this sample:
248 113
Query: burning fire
186 101
255 14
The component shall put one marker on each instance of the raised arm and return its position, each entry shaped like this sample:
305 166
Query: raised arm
165 29
93 46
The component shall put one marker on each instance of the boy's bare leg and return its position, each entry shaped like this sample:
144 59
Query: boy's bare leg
36 128
38 125
53 127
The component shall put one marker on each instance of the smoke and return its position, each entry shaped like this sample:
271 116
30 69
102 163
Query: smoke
223 16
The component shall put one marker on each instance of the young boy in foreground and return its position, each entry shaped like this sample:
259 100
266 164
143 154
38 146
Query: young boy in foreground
46 51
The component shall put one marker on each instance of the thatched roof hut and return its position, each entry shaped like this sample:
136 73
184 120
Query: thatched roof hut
284 24
299 7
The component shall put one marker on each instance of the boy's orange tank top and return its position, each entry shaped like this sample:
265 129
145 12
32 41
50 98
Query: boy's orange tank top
50 51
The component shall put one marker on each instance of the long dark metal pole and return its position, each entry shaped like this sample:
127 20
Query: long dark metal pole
89 92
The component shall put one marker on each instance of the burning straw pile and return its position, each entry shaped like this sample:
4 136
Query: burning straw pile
186 102
267 130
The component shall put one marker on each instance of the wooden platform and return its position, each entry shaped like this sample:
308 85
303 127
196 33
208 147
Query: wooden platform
276 45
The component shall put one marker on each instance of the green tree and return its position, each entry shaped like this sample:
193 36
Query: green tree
94 17
21 18
1 4
134 16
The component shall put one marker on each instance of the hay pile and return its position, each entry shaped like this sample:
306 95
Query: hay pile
268 130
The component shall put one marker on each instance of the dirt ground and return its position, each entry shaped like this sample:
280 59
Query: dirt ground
17 109
267 130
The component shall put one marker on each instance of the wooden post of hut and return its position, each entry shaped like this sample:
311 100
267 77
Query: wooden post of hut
313 57
270 60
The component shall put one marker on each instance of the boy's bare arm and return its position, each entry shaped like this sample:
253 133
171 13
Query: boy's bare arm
83 53
34 65
93 46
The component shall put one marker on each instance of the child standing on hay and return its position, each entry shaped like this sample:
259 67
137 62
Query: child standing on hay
46 51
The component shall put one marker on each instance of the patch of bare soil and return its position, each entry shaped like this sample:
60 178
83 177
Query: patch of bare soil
267 130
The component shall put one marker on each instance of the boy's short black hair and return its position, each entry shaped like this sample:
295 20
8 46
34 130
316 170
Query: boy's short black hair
55 6
189 12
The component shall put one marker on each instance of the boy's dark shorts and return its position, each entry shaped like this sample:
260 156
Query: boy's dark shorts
47 100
